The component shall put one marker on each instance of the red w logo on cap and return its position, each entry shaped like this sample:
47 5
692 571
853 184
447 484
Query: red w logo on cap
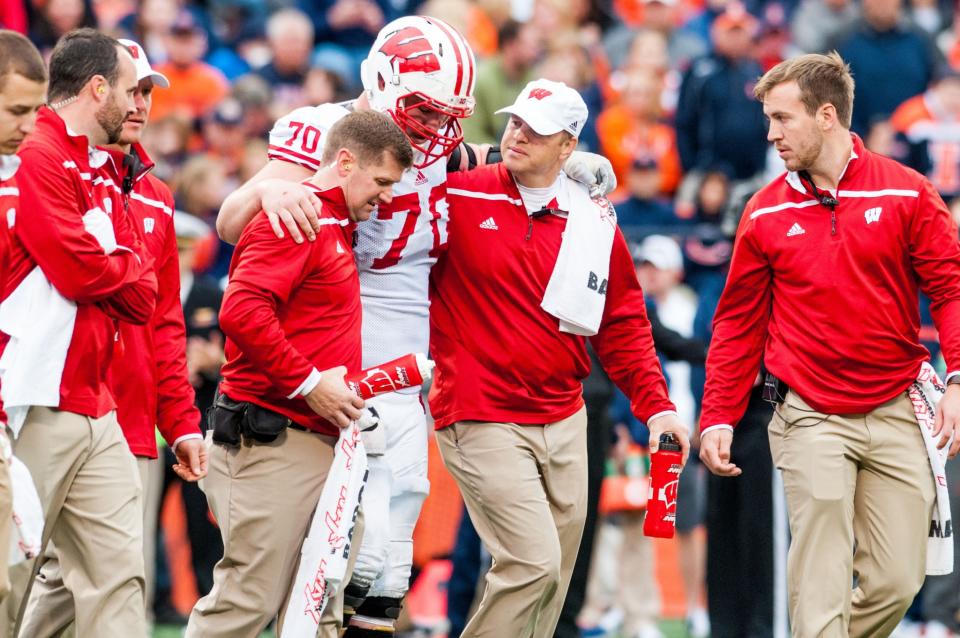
134 52
412 50
539 94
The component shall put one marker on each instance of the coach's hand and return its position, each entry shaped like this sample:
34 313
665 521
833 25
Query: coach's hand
292 206
669 423
333 400
715 452
947 422
191 456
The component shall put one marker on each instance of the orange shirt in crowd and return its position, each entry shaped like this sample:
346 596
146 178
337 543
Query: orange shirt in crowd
194 90
623 138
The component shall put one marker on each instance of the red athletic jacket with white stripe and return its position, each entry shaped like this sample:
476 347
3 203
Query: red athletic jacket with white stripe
501 357
9 202
57 187
289 311
149 374
831 305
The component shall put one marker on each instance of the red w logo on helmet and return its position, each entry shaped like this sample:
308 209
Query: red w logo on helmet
539 94
134 51
412 50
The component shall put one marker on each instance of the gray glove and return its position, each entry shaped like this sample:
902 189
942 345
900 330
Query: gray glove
592 170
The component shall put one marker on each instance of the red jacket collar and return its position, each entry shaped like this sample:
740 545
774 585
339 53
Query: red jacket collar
145 163
51 126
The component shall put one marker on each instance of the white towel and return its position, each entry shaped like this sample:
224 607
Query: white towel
27 516
925 393
39 321
323 558
576 292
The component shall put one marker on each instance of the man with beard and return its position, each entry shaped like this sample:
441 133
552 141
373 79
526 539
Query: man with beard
827 267
77 269
148 377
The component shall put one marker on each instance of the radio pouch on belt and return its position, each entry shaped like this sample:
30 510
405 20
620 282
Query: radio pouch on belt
225 418
263 425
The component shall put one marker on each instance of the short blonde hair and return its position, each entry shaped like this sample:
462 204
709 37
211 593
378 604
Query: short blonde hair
822 79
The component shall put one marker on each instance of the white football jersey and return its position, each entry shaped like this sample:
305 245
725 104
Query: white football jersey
394 249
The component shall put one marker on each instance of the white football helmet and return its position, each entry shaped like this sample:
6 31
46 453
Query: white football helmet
421 64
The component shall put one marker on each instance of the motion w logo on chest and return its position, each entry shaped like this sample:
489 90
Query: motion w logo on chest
872 214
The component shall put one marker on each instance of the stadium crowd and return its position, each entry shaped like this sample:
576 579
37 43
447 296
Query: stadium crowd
669 88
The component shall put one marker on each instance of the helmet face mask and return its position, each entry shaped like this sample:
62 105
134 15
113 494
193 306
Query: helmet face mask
421 72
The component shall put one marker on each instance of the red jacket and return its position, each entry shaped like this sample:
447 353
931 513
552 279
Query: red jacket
149 374
58 186
834 311
500 357
291 309
9 202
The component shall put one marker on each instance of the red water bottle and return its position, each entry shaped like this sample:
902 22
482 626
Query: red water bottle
407 371
665 466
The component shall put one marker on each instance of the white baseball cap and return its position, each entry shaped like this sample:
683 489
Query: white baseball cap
550 107
661 251
144 70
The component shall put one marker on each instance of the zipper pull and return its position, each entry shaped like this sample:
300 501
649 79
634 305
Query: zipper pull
833 222
529 228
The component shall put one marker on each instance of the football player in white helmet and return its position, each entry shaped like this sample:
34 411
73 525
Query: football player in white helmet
422 72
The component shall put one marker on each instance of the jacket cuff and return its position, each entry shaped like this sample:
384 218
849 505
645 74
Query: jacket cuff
185 437
305 388
716 426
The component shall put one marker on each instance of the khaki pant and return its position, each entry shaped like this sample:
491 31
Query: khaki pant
49 610
853 481
525 488
263 497
90 490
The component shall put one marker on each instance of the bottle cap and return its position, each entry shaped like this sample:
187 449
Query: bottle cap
668 443
424 365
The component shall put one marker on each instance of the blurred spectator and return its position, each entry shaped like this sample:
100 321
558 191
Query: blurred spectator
238 27
645 205
201 187
928 126
472 19
196 87
54 18
701 24
290 38
149 24
683 45
622 578
719 122
255 96
254 158
500 80
648 51
225 137
773 38
928 15
891 61
201 298
323 86
660 271
572 67
881 137
345 30
167 139
743 537
817 24
632 128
